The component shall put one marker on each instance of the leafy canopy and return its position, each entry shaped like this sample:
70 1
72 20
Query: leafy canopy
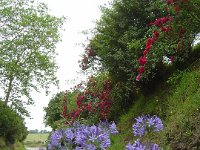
28 35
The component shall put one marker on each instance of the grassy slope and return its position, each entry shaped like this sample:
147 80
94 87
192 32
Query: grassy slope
177 103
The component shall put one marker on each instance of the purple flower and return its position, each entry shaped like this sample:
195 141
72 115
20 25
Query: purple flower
154 147
68 135
145 124
129 146
92 136
136 146
155 123
107 127
49 147
56 138
105 140
91 147
113 128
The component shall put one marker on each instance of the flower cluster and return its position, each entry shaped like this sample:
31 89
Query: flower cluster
167 60
81 137
90 102
163 25
147 124
89 54
151 41
139 146
143 126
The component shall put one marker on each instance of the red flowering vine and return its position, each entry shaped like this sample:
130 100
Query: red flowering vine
160 23
90 102
89 54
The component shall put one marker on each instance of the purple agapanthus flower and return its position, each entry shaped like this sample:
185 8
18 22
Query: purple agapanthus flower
82 137
146 124
154 147
107 127
136 146
68 135
113 128
92 135
56 138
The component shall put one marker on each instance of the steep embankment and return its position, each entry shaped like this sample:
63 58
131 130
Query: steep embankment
177 103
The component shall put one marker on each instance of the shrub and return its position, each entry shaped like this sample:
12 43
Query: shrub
11 125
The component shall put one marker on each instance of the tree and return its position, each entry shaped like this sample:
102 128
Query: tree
54 110
28 35
119 35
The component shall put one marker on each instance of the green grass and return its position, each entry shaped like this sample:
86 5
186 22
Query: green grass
16 146
36 140
177 103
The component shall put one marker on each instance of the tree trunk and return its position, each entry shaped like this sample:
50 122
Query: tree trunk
9 90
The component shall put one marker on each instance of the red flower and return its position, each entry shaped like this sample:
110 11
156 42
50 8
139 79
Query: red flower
171 58
142 60
155 34
148 42
163 29
168 2
145 52
158 22
141 69
138 77
148 47
151 23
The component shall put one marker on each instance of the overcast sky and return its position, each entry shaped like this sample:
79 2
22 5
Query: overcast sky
81 15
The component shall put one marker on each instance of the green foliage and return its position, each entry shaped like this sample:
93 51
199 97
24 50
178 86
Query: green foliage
11 125
182 129
177 102
119 35
54 110
27 50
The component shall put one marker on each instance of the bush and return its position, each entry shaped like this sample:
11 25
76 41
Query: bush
12 125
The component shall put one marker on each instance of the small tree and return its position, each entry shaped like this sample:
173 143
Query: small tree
28 35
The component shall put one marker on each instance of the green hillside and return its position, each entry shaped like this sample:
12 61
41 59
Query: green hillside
177 103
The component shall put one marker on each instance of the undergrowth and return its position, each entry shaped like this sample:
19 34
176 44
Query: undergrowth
177 103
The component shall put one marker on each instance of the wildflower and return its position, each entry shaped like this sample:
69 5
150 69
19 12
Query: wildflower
68 135
142 60
138 77
56 138
147 124
141 69
113 128
167 60
154 147
136 146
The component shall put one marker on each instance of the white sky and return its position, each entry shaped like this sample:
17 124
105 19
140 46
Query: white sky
81 15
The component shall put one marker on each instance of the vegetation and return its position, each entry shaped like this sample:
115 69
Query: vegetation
145 49
28 36
177 102
27 51
146 63
12 127
36 140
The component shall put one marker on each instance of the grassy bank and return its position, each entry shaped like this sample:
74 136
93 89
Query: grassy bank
177 103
